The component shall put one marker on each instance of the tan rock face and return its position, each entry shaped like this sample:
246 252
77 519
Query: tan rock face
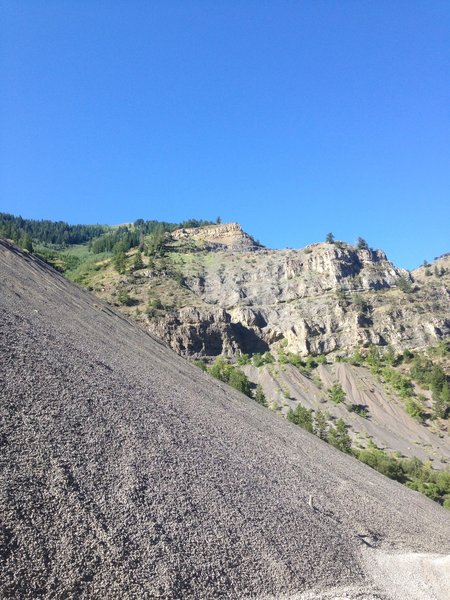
228 235
324 298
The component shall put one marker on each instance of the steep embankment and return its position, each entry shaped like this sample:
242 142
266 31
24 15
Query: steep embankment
385 420
128 473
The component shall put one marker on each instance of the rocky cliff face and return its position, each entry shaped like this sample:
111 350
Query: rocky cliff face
228 236
321 299
216 291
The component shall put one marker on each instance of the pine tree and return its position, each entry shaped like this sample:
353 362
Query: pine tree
260 396
441 402
138 262
119 258
339 438
26 242
445 394
321 425
336 393
330 238
302 417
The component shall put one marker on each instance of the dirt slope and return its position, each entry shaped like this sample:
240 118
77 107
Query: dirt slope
128 473
387 422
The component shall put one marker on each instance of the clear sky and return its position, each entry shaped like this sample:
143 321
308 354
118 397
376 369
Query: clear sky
293 118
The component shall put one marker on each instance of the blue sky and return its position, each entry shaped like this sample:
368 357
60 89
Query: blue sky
293 118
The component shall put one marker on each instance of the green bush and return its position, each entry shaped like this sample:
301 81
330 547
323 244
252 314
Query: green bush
243 359
359 409
260 396
123 298
382 462
201 364
404 284
227 373
414 409
257 360
268 358
239 381
301 416
399 382
339 438
336 393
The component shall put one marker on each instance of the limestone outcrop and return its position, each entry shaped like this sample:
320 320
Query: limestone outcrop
229 236
321 299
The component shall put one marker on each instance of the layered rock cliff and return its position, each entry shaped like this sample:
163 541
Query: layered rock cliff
217 291
227 236
321 299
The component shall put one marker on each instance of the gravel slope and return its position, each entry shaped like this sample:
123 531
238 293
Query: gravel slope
128 473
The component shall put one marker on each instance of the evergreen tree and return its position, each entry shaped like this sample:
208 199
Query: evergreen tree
321 425
339 438
302 417
441 402
330 238
260 396
362 244
238 379
119 258
336 393
155 245
26 242
138 262
404 284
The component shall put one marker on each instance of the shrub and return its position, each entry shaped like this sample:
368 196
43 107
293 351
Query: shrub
301 416
124 298
414 409
339 438
336 393
257 360
356 358
382 462
359 409
404 284
310 363
221 369
260 396
243 359
201 364
239 381
236 378
268 358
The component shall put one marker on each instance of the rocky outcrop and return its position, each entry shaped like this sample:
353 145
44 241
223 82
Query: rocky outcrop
321 299
214 237
206 332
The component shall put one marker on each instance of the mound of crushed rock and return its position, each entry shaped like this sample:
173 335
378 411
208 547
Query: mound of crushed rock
126 472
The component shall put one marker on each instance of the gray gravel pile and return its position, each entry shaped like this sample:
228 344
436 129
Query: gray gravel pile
128 473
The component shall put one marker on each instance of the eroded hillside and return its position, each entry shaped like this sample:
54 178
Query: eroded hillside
214 291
